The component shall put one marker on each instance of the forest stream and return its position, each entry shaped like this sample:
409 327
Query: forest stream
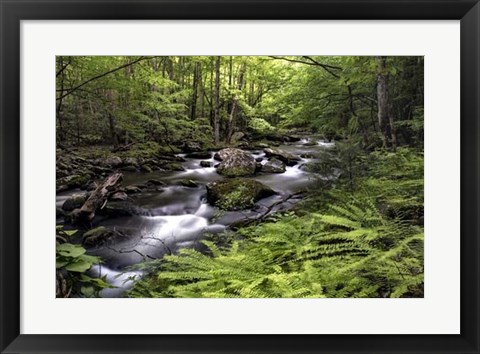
176 216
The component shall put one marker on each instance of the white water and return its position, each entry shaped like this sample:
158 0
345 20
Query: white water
120 280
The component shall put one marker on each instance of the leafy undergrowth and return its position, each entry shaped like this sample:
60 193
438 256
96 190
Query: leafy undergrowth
363 242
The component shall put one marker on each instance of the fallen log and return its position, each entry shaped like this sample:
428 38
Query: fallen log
98 198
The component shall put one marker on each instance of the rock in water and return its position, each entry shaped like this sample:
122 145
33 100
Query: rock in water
75 201
119 196
205 163
172 166
188 183
235 163
237 193
146 168
274 166
97 236
132 189
199 155
288 158
129 168
155 182
72 181
112 161
130 161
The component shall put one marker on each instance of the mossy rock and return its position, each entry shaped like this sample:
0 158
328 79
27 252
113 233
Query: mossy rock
74 202
172 166
274 166
235 163
284 156
146 168
155 182
237 193
188 183
129 169
73 181
96 236
132 189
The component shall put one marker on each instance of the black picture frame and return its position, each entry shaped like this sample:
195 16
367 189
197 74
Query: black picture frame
13 11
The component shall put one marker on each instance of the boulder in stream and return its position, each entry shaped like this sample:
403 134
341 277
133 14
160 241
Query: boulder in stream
205 163
189 183
237 193
129 168
72 181
112 161
288 158
130 161
146 168
75 201
155 182
235 163
274 166
171 166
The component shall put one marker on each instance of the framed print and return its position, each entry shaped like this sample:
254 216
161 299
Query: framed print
269 176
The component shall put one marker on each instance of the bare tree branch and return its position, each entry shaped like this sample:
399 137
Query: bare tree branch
70 90
313 62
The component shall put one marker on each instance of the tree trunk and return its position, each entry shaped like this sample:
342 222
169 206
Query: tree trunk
111 120
193 112
233 112
201 87
216 119
61 131
382 100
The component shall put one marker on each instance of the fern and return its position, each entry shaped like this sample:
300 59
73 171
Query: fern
366 243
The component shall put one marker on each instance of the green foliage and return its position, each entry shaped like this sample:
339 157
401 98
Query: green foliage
168 99
358 234
361 243
239 198
342 165
72 263
261 126
353 251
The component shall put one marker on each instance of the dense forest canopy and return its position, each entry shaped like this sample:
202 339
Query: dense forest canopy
170 100
239 176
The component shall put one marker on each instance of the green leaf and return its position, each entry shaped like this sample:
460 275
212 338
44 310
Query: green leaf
69 250
60 263
90 259
87 291
70 232
78 266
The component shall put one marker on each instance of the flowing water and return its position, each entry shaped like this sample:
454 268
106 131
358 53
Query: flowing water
175 216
